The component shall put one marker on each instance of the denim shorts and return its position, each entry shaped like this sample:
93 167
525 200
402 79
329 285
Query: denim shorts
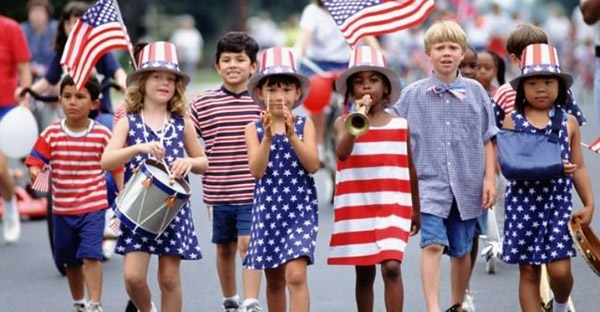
78 237
230 221
453 233
481 225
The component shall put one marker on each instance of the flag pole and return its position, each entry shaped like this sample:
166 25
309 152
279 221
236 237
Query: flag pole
131 57
584 145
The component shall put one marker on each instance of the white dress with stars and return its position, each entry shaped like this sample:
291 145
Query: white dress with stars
538 212
179 239
285 211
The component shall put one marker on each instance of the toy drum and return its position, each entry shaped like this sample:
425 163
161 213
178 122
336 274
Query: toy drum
151 199
587 243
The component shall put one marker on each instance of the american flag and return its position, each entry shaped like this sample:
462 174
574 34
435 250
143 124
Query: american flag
359 18
42 181
99 30
595 146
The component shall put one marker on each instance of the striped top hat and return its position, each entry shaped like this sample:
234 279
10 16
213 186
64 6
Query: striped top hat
277 61
160 55
365 58
540 60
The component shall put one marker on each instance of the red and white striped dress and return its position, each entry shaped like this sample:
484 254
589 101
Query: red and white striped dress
372 203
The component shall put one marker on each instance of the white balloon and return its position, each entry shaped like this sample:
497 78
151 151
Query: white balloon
18 132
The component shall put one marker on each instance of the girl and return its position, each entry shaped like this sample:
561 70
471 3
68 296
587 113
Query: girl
282 155
376 199
156 108
468 65
490 66
537 212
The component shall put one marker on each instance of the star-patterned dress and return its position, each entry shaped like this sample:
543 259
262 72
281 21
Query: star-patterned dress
179 239
538 212
285 212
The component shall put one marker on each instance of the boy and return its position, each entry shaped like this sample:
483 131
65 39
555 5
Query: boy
220 117
452 125
72 147
504 98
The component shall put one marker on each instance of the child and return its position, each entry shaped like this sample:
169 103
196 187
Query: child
220 117
468 66
156 108
72 147
490 66
452 125
539 234
282 154
504 98
376 200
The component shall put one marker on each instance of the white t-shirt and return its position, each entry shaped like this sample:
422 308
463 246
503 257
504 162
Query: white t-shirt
328 43
189 44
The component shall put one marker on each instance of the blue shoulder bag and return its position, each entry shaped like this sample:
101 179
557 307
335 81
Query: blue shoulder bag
531 156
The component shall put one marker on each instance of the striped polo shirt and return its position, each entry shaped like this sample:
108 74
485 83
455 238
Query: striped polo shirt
220 117
78 183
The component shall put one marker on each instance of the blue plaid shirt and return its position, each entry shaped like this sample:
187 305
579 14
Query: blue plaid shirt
447 140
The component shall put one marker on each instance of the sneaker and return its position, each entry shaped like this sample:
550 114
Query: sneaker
230 305
95 307
12 225
253 307
79 307
454 308
468 304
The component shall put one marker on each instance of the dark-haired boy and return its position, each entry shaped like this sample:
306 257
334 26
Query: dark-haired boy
72 148
220 117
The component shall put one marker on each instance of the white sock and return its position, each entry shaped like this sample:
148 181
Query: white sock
249 301
236 298
80 301
560 307
10 206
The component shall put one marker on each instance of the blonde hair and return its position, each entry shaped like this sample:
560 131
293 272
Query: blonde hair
445 31
134 96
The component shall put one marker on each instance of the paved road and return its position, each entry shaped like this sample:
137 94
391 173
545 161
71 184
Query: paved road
29 281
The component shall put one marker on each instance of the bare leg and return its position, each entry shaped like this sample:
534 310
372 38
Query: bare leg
430 275
365 277
251 278
226 254
76 280
529 287
561 279
169 280
296 281
460 270
7 183
276 301
135 270
92 270
394 289
474 252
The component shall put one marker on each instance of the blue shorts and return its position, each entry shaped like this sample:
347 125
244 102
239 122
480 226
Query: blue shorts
453 233
481 225
230 221
78 237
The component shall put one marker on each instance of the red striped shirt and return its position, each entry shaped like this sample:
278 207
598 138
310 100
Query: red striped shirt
220 117
78 183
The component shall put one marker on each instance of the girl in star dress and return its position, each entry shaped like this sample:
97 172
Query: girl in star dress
376 198
282 155
538 211
157 126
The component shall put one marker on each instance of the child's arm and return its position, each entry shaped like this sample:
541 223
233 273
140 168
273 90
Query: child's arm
197 162
116 155
344 141
508 123
581 177
414 187
258 152
489 181
305 148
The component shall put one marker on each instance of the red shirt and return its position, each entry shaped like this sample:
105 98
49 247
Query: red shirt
13 50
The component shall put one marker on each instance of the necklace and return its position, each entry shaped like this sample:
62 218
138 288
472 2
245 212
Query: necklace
162 131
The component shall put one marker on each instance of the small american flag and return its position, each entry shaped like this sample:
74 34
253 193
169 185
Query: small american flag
42 181
99 30
359 18
595 146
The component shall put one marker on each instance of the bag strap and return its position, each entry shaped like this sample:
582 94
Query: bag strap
556 123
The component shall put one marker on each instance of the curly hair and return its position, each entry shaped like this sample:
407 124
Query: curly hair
134 97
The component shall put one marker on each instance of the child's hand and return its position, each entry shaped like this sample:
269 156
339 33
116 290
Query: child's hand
181 167
489 193
584 215
33 172
154 148
266 121
115 226
365 101
290 121
415 224
569 167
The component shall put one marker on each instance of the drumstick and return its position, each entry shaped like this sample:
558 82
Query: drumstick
584 145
